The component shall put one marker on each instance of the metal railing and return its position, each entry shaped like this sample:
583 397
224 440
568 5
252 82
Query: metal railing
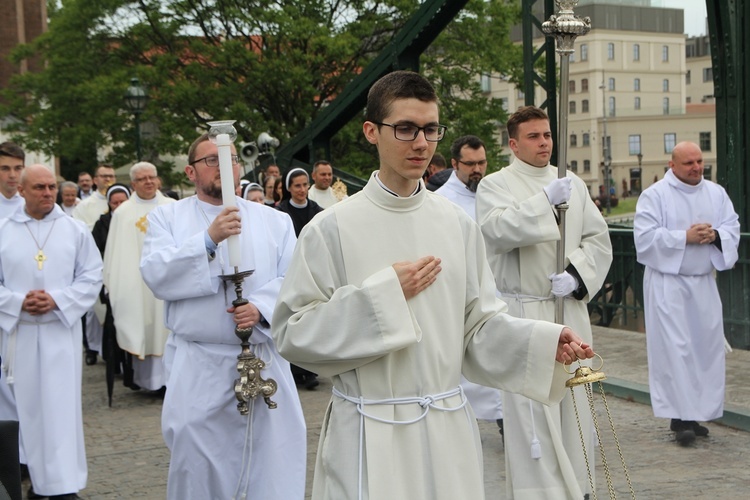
621 297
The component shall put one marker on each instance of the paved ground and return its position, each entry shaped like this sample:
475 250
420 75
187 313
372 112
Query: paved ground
127 457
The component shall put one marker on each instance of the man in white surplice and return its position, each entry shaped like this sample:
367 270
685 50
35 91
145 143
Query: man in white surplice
685 229
12 157
138 315
50 273
469 162
516 212
215 451
389 293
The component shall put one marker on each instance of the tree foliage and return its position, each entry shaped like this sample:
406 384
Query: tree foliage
272 65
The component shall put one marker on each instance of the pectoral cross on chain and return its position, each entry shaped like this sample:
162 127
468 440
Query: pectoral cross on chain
40 258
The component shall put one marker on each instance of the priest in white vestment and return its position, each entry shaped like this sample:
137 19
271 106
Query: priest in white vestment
138 315
685 230
389 293
516 212
321 191
469 164
12 157
89 211
215 451
50 274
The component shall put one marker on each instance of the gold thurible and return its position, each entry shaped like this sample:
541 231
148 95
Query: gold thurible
250 384
586 376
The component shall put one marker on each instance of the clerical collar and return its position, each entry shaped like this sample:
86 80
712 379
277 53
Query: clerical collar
141 200
296 205
390 191
532 170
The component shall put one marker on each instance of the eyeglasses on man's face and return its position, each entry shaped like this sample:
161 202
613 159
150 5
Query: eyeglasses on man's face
472 164
106 176
213 160
408 132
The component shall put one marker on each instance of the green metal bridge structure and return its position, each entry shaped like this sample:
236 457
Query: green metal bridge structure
622 296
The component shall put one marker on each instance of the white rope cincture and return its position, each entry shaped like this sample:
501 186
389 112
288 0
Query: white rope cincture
10 357
426 402
536 447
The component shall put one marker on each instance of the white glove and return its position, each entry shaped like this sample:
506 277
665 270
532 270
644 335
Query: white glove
558 191
563 284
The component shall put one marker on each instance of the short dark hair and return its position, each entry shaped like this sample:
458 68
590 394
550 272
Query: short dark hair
438 160
396 85
83 173
319 163
103 165
12 150
472 141
523 115
191 150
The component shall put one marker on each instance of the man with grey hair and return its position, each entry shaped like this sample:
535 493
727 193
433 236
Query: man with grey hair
138 315
69 197
11 166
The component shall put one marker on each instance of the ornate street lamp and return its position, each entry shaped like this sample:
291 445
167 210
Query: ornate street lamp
135 100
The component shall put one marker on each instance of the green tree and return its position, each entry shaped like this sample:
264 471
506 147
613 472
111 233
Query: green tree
271 65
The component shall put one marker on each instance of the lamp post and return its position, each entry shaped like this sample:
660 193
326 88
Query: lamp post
135 100
607 159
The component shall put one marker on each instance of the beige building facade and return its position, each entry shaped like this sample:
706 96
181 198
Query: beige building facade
634 79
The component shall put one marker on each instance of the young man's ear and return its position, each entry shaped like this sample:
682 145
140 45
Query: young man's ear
371 132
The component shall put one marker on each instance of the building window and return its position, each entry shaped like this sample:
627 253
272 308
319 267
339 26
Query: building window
688 100
572 86
665 85
665 53
634 144
586 166
584 52
586 138
687 77
572 107
611 84
585 85
486 83
705 141
610 51
611 106
637 84
504 103
670 140
504 138
573 140
520 94
708 74
574 166
636 52
585 106
637 103
665 105
707 171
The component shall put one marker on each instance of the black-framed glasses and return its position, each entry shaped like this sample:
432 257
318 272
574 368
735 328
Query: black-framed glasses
213 160
472 164
408 132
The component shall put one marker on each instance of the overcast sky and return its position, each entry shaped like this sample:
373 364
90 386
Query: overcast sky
695 14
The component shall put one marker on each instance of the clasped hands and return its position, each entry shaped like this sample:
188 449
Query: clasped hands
38 302
700 234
